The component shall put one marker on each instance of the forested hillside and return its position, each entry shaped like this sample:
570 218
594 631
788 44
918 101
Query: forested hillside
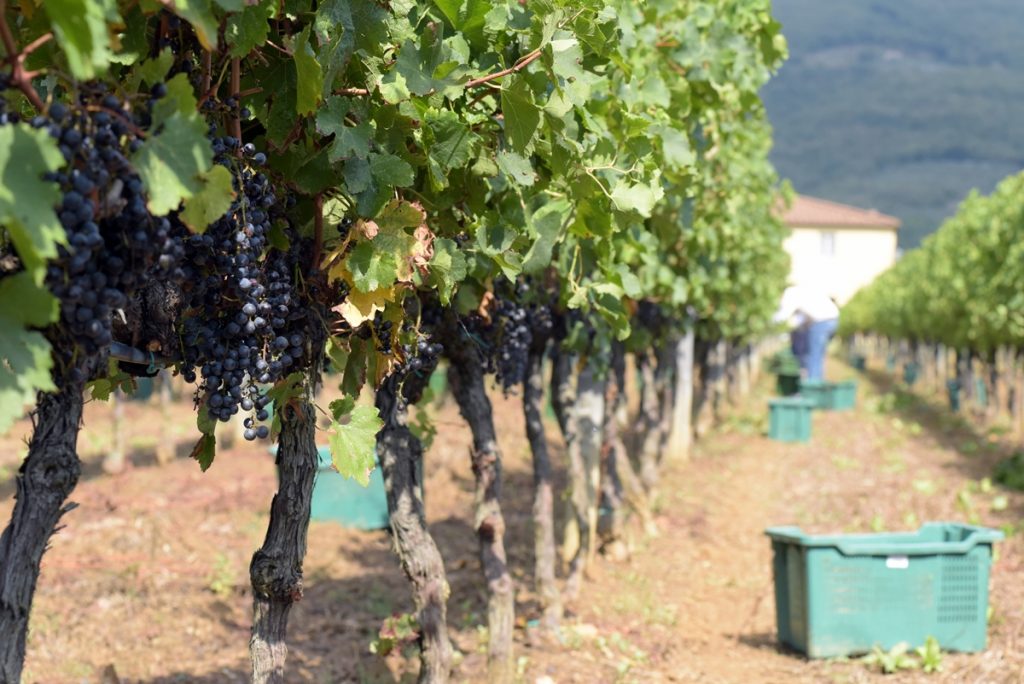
903 107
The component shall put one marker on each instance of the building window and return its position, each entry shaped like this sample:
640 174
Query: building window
828 244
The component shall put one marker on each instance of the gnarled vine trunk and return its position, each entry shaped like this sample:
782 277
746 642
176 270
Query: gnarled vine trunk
584 449
543 489
276 568
563 389
466 379
401 456
648 422
633 492
681 420
44 482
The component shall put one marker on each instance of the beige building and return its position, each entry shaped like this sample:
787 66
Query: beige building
837 247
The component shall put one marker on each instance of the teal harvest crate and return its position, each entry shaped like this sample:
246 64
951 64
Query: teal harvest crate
818 392
844 395
789 419
910 372
980 393
345 501
838 595
786 384
143 389
858 361
953 391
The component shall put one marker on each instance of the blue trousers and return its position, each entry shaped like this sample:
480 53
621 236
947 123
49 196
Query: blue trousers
798 344
818 335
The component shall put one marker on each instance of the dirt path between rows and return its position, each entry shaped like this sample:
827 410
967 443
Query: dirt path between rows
150 574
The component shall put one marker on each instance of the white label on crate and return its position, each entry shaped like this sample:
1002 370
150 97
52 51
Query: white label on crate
897 562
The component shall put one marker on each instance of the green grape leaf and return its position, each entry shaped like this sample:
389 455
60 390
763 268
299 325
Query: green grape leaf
631 285
200 15
371 268
248 29
638 197
546 227
26 200
353 443
154 70
180 99
309 83
342 407
171 164
27 362
447 268
467 17
357 175
449 143
522 116
211 202
80 27
517 168
103 388
353 376
422 70
205 451
675 147
349 140
392 170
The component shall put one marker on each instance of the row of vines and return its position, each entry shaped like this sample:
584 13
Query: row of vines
261 195
954 307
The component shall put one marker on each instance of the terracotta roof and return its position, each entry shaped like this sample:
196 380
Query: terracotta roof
812 211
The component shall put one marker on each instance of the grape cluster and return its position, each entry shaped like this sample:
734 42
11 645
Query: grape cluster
423 356
114 245
650 316
514 339
244 327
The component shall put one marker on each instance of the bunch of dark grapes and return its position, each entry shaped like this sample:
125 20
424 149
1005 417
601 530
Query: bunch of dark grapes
513 342
421 357
650 316
382 331
114 245
244 325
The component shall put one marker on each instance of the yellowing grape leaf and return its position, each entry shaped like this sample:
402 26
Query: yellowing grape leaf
360 307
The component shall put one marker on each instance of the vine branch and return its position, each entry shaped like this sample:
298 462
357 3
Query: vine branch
236 86
20 79
318 230
523 62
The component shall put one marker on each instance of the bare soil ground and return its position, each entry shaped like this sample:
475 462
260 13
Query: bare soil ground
150 573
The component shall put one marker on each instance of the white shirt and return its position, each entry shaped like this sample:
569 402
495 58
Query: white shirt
797 300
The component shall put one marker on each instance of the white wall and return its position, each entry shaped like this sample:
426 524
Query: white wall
858 256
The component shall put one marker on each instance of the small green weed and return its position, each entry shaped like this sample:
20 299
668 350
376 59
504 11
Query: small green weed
895 659
397 631
1010 472
222 577
930 655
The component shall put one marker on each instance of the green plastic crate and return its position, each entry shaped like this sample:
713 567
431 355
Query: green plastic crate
786 384
953 392
844 395
980 393
818 392
341 500
910 372
789 419
839 595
